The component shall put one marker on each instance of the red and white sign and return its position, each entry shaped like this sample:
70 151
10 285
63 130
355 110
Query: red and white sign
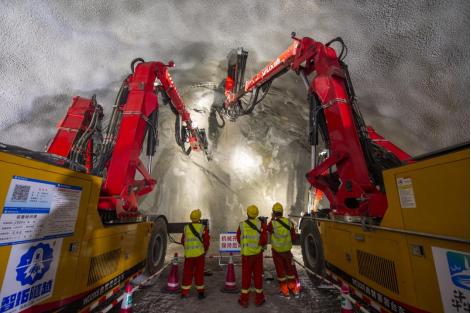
228 242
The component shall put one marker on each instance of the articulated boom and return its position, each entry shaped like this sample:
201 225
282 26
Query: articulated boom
351 175
281 64
116 155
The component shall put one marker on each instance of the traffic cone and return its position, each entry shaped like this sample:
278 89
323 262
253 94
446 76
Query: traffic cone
126 305
345 304
173 284
230 283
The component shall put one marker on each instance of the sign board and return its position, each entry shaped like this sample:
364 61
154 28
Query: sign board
406 192
38 210
452 269
228 242
30 274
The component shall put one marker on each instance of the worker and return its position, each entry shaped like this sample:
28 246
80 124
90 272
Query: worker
252 237
195 240
282 235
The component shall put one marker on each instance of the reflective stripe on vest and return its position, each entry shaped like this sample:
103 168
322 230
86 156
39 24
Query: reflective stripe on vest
193 246
249 238
281 237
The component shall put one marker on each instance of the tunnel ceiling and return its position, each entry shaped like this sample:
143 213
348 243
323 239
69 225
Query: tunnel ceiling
409 62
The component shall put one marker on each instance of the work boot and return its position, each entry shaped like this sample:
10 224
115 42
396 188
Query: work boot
293 287
244 300
284 291
261 302
243 304
259 298
185 293
201 295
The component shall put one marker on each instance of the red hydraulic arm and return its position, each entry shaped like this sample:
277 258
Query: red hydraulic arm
117 157
350 176
282 62
78 122
171 91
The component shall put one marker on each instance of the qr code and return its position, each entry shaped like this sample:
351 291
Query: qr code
20 193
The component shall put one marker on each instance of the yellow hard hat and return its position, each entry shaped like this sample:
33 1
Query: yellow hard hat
195 215
278 208
252 211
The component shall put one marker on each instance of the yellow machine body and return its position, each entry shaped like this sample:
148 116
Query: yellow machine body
86 263
404 264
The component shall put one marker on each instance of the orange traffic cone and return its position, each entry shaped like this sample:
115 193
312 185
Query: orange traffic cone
173 284
230 283
126 305
345 303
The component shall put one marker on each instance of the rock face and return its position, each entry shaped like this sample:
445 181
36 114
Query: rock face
409 62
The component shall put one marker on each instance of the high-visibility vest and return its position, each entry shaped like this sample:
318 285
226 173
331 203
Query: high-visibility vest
281 237
249 238
193 246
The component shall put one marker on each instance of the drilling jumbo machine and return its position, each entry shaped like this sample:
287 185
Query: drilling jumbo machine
70 225
396 231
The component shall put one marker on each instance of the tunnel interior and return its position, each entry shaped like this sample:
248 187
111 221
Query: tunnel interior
395 236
